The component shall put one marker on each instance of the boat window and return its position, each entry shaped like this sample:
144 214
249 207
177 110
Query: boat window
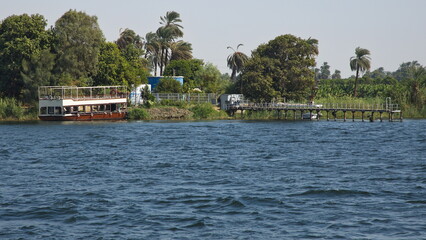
58 110
113 107
67 110
107 107
87 109
81 108
102 108
50 110
75 109
95 108
43 110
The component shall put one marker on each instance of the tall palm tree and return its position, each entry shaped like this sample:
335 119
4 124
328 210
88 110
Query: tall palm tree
360 62
236 61
167 33
153 50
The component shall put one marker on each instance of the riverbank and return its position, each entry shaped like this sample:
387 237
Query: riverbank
12 110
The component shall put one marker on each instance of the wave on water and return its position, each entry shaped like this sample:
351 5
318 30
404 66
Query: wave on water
332 193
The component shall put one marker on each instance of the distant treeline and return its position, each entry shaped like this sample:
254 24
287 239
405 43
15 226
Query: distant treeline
407 85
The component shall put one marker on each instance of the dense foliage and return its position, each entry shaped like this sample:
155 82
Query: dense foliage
73 52
169 85
23 42
406 86
280 68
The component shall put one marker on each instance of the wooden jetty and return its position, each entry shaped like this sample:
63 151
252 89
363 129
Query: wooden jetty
331 110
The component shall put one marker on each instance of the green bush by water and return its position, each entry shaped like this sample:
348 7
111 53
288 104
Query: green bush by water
10 108
206 111
138 114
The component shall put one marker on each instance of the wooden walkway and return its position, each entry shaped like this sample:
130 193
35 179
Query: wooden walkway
331 110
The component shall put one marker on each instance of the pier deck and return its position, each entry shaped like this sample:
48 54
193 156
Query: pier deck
330 109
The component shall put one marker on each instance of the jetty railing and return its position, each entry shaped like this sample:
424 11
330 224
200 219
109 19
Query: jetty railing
312 108
283 106
187 97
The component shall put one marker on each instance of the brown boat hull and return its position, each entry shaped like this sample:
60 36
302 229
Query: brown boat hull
86 117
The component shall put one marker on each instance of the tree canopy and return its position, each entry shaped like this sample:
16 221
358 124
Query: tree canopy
79 40
280 68
23 40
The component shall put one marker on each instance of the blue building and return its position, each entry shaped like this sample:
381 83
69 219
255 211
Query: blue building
155 80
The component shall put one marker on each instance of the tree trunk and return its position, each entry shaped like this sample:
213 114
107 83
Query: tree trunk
166 58
233 75
161 61
356 82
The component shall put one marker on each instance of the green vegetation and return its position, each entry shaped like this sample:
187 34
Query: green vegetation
168 109
138 114
169 85
360 62
236 62
11 109
280 69
206 111
75 52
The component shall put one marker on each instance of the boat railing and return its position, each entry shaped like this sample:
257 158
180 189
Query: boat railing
81 93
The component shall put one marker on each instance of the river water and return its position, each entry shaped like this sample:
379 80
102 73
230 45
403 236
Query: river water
213 180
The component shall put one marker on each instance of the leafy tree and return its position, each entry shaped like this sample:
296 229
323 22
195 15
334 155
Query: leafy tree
406 70
79 40
377 74
284 71
325 71
336 75
236 62
23 40
360 62
38 71
168 85
186 68
113 69
209 79
257 79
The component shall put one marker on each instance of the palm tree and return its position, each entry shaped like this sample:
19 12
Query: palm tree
153 50
236 61
128 37
360 62
180 50
167 33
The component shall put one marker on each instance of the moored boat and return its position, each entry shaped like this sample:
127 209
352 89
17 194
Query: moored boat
64 103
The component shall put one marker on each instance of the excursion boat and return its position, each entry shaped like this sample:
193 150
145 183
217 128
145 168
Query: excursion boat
64 103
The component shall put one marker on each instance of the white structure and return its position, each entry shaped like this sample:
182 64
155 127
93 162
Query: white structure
136 95
230 99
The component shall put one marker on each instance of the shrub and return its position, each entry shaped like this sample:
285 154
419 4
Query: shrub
11 108
168 102
206 111
138 114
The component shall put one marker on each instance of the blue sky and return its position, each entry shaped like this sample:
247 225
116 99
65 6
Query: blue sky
393 30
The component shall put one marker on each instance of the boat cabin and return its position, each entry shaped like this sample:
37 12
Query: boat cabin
64 103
